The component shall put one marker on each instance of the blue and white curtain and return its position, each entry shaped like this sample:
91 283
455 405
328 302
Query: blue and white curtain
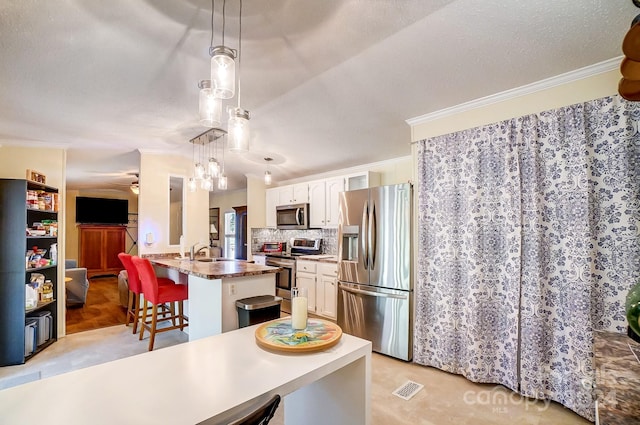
528 241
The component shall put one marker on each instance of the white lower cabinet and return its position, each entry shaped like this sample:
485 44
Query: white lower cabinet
320 279
327 290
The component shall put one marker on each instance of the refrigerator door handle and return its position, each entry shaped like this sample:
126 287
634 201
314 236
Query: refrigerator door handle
364 235
373 294
373 237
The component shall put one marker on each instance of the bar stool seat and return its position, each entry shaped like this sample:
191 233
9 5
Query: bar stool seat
134 314
158 295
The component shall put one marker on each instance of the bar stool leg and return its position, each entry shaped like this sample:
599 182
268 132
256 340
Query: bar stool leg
136 313
144 318
154 322
180 314
129 307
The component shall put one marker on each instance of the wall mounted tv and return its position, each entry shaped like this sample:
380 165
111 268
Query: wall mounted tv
101 211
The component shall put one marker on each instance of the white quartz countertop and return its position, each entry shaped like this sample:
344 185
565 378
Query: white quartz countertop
184 384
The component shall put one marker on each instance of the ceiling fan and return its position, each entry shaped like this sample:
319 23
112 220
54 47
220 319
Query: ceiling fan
134 185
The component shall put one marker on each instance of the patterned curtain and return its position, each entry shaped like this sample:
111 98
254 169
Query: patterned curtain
529 240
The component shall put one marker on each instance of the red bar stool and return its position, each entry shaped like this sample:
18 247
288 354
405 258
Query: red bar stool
135 289
157 295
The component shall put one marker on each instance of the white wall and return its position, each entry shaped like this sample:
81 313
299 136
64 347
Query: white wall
153 204
14 162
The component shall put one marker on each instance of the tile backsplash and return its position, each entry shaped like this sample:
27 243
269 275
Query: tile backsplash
262 235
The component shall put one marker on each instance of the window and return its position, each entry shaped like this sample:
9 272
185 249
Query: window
230 234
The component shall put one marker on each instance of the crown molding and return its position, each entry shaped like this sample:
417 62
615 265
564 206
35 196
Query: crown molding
35 144
558 80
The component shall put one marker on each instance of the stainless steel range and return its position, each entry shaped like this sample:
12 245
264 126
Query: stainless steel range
286 278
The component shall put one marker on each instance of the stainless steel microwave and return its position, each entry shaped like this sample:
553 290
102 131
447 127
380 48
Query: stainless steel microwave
294 216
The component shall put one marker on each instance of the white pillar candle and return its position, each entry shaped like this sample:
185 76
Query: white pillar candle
299 308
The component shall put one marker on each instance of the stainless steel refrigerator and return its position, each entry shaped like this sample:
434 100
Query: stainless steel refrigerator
375 291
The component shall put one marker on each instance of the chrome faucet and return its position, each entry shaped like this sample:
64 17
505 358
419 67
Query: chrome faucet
193 252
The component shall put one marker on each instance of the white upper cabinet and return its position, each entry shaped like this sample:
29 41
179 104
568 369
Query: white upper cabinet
333 188
362 180
322 196
323 202
293 194
317 203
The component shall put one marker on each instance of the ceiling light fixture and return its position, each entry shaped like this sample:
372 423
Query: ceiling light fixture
239 118
207 143
209 107
222 178
223 65
135 188
267 173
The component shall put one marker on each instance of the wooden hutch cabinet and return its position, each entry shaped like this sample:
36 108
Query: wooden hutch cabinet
99 248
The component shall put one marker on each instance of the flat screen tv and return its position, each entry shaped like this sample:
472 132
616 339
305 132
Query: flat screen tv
101 211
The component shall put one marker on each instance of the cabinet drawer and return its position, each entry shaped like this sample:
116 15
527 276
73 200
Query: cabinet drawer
306 266
328 269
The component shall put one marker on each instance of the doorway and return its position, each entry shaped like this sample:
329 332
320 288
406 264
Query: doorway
241 233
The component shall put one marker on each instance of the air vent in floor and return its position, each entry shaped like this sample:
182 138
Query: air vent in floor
408 390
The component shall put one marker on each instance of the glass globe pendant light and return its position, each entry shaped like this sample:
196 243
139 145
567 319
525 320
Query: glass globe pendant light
239 130
223 64
222 178
192 185
267 173
209 107
223 72
238 126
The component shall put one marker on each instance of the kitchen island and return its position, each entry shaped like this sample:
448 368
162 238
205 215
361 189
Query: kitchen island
214 288
206 381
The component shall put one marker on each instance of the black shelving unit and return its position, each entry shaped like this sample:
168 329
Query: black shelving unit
14 274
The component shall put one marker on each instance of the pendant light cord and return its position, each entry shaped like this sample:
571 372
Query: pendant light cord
224 18
239 52
213 7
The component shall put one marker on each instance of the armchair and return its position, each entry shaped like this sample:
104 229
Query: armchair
76 288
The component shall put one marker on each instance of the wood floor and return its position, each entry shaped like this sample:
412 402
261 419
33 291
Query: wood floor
101 310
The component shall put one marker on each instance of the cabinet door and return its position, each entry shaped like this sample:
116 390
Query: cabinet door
91 249
329 296
301 193
114 242
317 204
333 189
285 195
308 280
270 205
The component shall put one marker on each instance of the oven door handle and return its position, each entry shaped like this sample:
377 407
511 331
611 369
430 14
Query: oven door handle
280 263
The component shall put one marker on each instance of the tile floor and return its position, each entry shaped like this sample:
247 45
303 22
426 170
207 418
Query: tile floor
446 399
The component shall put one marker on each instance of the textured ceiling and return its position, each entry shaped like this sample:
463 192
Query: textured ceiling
329 83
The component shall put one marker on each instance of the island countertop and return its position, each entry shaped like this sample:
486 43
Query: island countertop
215 269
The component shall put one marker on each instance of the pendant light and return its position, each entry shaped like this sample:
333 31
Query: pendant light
267 173
222 179
238 127
192 185
210 107
214 166
223 65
